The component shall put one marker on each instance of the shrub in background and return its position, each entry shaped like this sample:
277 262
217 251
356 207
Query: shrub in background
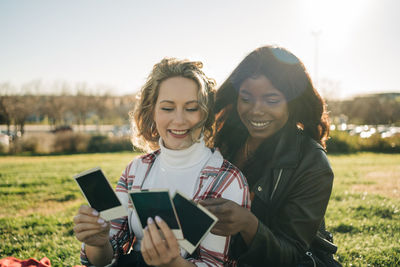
77 142
24 144
3 149
121 144
67 142
28 144
34 143
343 142
102 143
70 142
377 144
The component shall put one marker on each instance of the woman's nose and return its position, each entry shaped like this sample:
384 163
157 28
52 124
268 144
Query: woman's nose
258 108
179 117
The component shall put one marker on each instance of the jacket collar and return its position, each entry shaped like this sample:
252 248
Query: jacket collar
287 153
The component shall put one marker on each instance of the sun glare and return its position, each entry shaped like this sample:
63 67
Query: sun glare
336 19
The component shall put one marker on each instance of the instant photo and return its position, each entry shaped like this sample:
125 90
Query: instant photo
196 221
99 194
154 202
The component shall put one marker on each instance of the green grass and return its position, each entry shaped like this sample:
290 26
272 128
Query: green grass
38 199
364 209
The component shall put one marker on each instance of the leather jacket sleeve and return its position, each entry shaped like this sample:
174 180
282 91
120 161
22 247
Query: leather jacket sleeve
291 221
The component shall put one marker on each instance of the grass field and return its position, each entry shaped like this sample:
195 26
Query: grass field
38 199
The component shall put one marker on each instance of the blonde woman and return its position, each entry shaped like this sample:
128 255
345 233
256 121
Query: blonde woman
174 118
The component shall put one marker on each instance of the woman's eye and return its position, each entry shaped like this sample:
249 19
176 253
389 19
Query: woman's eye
244 99
192 109
273 101
167 109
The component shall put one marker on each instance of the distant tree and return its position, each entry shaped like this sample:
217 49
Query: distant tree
18 105
103 107
5 111
392 109
56 108
83 105
5 105
25 104
123 105
16 108
369 109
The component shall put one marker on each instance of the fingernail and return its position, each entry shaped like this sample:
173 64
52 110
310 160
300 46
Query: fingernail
158 219
95 213
100 220
145 228
150 220
104 225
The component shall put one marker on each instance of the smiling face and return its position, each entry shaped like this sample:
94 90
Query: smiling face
177 112
261 107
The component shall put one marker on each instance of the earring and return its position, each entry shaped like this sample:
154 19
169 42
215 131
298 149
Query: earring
153 129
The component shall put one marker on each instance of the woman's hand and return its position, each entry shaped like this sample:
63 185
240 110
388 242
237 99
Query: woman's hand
90 228
232 218
159 247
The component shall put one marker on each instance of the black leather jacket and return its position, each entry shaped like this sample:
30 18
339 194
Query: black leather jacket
290 202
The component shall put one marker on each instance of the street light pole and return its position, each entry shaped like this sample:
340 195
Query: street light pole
316 35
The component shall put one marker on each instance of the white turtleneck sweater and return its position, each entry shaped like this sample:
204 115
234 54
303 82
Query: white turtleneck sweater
174 170
178 169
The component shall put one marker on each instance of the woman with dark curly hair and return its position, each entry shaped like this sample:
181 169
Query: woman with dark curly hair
272 124
174 117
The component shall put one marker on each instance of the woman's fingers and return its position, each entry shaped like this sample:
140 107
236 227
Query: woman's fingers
219 231
143 249
147 247
82 236
85 209
83 218
87 214
169 236
159 247
157 240
213 201
89 227
82 227
84 222
220 207
231 216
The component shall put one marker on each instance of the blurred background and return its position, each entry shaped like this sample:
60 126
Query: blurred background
70 70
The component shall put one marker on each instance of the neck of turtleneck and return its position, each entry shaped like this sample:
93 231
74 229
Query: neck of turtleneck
184 158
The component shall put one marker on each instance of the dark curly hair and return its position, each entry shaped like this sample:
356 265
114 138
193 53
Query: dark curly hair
307 109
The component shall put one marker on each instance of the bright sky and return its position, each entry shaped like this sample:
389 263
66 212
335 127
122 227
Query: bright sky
116 43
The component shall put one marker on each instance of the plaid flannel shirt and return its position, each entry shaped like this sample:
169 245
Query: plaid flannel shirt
218 178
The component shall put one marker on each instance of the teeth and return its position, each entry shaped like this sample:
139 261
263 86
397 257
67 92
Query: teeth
259 124
179 131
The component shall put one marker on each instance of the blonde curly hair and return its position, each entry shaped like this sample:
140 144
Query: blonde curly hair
144 131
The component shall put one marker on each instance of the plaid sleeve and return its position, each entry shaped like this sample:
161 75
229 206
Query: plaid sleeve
236 189
120 237
228 183
120 241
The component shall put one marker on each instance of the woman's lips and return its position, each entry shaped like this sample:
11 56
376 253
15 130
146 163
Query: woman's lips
259 124
179 133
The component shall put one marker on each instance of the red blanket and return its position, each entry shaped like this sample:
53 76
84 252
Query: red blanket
31 262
